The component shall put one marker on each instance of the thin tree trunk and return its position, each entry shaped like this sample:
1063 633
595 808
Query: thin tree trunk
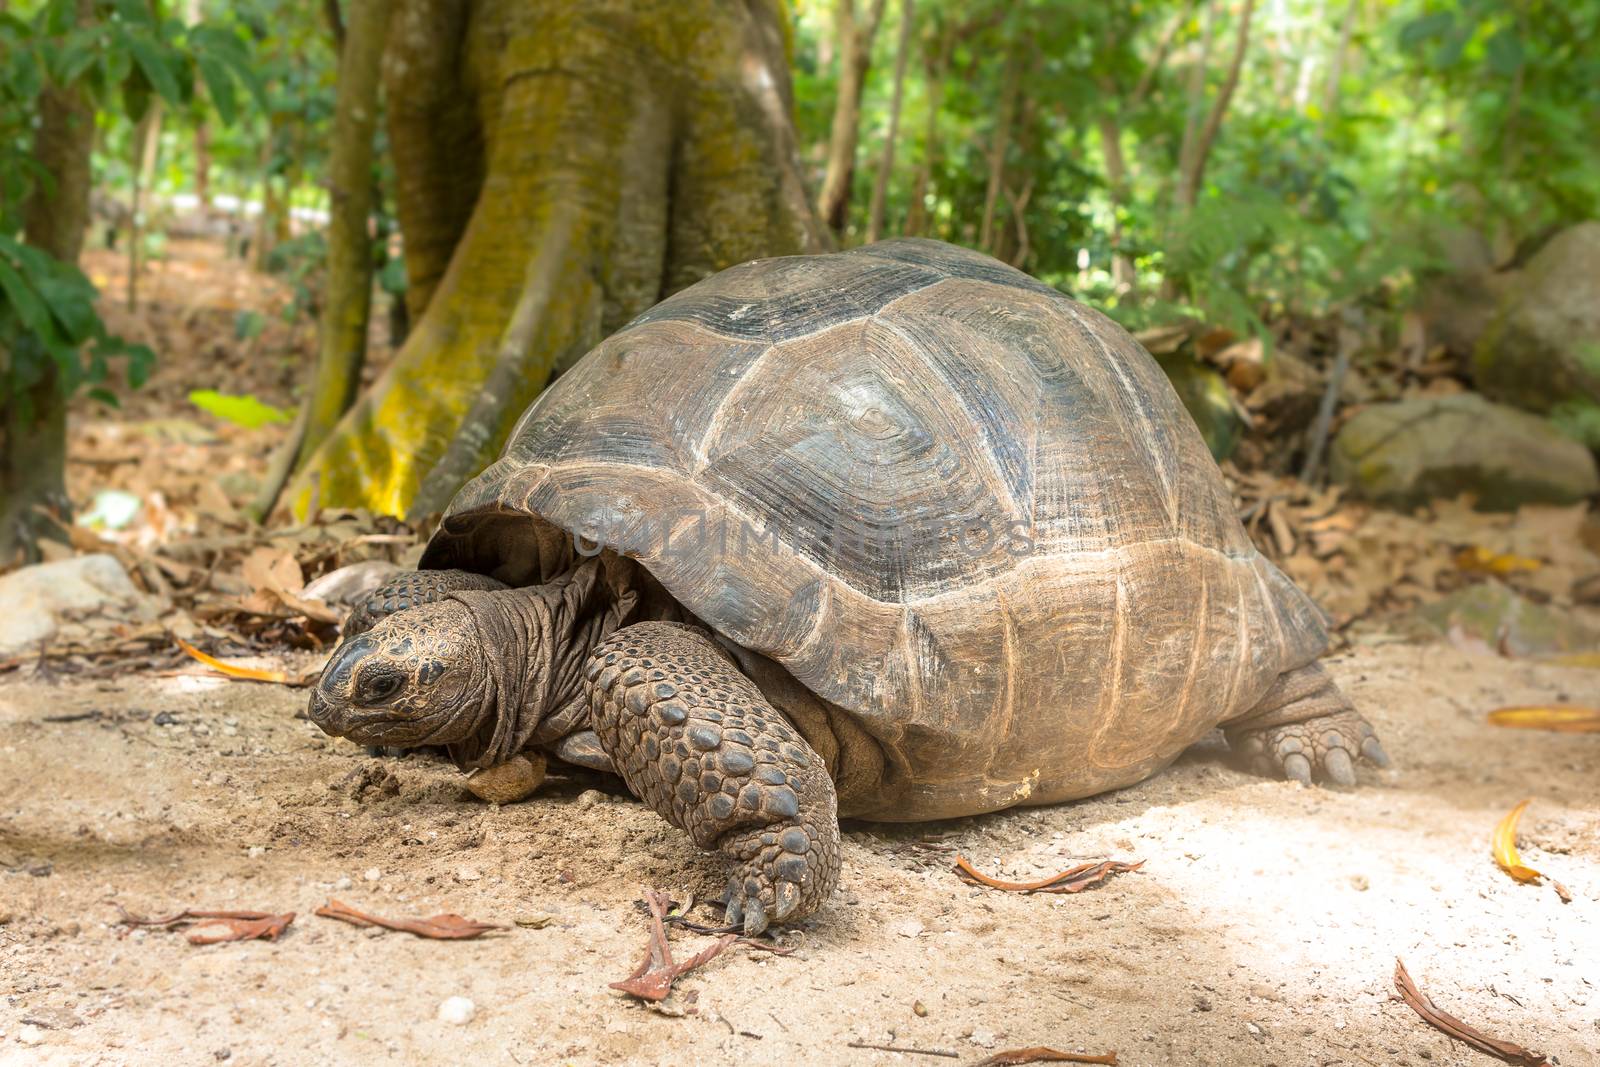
999 141
1195 112
1330 88
202 164
1193 175
1123 275
33 415
147 147
342 330
855 59
880 188
917 212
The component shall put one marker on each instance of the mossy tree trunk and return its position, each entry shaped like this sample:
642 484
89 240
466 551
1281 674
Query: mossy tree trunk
33 422
561 166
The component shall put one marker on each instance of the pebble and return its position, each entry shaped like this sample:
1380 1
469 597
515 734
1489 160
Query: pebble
372 874
982 1038
590 797
458 1011
1359 881
255 852
467 874
343 884
29 1034
919 1009
907 928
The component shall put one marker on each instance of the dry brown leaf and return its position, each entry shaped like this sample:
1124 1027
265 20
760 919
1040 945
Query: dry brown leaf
1559 718
1073 880
242 925
1419 1002
446 926
1505 846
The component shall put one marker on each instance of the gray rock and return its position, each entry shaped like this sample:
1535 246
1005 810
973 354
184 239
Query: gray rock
1493 619
1541 352
1205 394
1406 453
34 601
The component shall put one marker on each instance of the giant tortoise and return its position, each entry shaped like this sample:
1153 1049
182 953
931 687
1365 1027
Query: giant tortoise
897 533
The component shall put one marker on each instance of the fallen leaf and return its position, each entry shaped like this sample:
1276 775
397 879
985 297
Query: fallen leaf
1560 718
1042 1054
1480 560
233 670
442 927
1419 1002
242 925
1074 880
652 979
1505 846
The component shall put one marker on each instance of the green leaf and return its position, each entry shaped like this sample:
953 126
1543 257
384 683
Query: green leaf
247 325
1415 32
246 410
72 308
29 308
154 65
219 83
105 396
1504 52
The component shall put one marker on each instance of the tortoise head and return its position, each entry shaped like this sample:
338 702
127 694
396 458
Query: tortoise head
417 678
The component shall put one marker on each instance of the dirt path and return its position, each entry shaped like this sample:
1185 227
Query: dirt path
1263 929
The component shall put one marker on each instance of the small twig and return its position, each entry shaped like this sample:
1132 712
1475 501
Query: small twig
1348 339
908 1049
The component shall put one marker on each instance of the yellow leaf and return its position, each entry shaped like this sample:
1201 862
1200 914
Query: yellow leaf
1575 659
1560 718
1505 846
1479 560
233 670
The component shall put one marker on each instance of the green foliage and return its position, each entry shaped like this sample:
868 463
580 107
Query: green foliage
48 320
121 58
246 410
1318 191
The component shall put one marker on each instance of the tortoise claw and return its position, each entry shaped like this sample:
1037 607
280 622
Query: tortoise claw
1338 767
1297 767
755 918
788 900
1374 753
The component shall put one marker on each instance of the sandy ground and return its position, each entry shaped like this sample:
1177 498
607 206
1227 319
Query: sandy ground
1262 930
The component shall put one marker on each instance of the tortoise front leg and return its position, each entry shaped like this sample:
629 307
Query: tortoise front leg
699 743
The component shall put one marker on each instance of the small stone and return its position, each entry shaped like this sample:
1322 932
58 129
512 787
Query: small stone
467 875
222 1054
590 797
372 874
29 1034
506 783
907 928
533 920
919 1009
165 718
255 852
1202 1003
982 1038
457 1011
343 884
1359 883
1255 1030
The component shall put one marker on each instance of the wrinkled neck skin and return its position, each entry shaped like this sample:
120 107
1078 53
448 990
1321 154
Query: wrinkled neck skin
535 642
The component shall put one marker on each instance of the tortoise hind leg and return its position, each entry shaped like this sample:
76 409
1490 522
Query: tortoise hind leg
1303 726
697 741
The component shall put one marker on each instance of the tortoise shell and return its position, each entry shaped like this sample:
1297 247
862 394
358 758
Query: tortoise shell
964 509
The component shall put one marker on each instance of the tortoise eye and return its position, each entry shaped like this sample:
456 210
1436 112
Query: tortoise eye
380 688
